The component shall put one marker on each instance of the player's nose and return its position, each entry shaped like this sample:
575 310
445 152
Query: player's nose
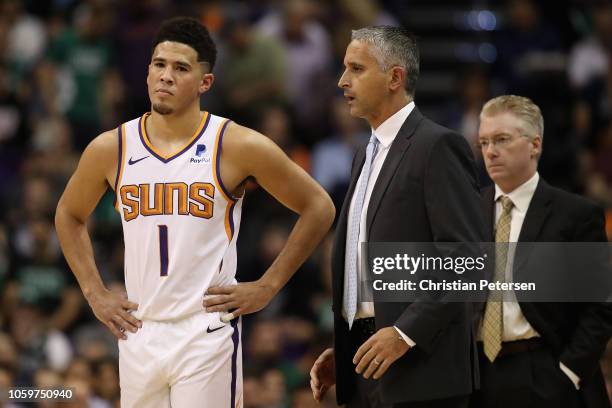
166 75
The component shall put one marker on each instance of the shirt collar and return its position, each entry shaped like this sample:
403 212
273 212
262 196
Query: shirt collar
386 131
521 196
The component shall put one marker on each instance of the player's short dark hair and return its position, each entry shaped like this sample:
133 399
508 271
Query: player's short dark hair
191 32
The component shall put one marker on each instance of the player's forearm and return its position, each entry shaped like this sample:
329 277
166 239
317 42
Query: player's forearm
314 222
78 251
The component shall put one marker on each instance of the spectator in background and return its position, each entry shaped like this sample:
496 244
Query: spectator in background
106 383
527 46
6 382
595 101
39 275
590 58
531 62
598 168
51 138
350 14
463 113
308 49
135 26
45 378
41 278
80 61
265 387
38 345
9 359
13 131
27 38
332 156
254 68
276 123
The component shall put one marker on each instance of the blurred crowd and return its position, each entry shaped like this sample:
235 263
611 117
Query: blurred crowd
70 69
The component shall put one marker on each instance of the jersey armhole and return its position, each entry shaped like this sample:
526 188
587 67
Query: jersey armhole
217 164
120 162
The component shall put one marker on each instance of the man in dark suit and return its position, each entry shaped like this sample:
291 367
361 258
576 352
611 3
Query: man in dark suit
414 182
535 354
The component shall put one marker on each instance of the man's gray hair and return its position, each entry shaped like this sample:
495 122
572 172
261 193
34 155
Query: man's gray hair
392 46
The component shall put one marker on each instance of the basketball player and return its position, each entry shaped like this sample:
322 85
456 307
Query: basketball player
178 174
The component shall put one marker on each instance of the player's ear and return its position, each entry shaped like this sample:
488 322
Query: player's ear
206 83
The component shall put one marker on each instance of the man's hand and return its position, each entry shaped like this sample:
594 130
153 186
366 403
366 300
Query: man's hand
243 298
379 352
323 374
112 309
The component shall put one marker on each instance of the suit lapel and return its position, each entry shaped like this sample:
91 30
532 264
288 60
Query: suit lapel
488 209
537 214
396 152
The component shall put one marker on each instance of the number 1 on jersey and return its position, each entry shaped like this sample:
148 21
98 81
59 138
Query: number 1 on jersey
163 249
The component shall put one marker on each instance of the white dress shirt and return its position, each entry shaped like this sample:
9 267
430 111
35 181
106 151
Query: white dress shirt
516 326
385 133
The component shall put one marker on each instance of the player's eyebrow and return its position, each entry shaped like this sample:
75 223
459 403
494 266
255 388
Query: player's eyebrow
179 63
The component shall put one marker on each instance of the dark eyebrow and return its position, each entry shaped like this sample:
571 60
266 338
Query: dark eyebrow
179 63
355 65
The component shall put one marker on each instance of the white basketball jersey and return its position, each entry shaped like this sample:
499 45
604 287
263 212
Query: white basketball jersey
180 224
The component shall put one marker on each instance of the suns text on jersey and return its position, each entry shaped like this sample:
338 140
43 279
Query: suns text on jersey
195 199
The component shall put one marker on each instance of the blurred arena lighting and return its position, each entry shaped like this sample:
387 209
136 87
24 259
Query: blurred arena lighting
487 52
476 52
476 20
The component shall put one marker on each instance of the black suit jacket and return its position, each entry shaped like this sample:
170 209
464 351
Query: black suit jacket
426 191
577 333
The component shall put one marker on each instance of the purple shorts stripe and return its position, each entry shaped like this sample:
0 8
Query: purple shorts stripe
236 340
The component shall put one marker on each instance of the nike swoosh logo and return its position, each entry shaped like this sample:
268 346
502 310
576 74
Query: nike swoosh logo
131 161
209 330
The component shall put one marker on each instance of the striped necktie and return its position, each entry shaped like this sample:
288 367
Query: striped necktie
493 321
349 299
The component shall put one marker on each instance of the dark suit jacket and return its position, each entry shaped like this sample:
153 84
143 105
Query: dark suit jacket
427 191
577 333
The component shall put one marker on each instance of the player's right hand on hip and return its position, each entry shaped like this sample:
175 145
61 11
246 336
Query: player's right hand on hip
323 374
113 309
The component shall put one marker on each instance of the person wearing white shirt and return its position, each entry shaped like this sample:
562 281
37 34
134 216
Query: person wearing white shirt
415 181
560 343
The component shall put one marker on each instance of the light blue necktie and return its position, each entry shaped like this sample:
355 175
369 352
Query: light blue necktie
349 299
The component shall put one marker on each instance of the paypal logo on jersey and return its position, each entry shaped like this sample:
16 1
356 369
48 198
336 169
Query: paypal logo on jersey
199 153
200 149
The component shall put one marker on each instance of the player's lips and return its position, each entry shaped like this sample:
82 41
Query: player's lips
163 92
349 98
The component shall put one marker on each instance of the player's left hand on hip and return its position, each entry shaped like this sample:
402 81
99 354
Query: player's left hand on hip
243 298
378 353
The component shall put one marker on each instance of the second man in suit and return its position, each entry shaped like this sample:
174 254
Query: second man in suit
535 354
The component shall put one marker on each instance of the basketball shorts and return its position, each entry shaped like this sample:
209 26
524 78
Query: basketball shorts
189 363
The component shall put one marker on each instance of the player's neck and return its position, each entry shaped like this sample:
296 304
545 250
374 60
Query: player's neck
175 126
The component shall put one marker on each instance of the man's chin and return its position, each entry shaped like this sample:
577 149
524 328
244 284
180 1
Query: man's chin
498 176
162 109
355 112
